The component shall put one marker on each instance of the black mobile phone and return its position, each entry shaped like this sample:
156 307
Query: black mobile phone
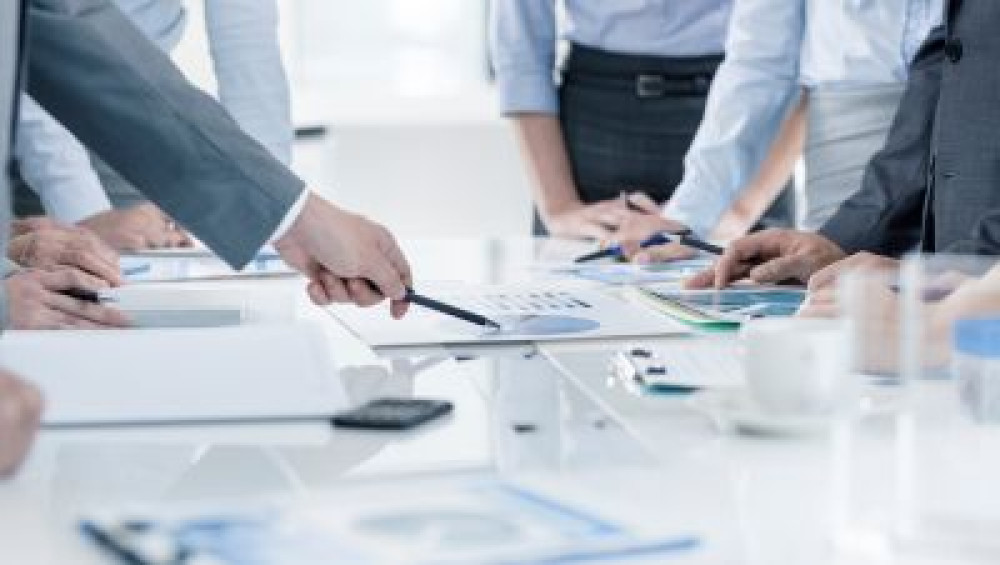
392 413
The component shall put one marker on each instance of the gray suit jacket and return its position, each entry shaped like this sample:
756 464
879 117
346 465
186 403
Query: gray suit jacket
940 168
124 99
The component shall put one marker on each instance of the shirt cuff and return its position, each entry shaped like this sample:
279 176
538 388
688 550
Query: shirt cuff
522 93
290 216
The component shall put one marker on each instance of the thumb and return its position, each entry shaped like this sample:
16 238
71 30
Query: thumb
644 203
777 270
703 280
388 281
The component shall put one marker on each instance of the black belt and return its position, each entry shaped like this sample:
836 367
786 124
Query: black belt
647 76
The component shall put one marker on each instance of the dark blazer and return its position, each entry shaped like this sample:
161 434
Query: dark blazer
124 99
940 168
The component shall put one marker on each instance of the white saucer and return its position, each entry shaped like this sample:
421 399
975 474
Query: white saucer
733 411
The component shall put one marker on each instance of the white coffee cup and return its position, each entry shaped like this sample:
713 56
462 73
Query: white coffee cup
796 366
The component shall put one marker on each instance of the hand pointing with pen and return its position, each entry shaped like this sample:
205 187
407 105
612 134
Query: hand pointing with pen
344 256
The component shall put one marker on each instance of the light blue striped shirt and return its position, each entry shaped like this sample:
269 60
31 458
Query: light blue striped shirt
524 35
775 48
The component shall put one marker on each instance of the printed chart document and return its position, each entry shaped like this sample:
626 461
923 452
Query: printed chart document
190 375
451 521
528 313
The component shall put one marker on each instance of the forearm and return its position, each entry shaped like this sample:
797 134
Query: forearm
125 99
56 166
544 151
772 178
243 40
753 93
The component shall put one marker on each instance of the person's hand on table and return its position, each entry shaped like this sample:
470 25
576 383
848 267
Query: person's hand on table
827 277
770 257
647 222
822 300
137 228
344 256
35 301
52 248
20 415
22 226
600 220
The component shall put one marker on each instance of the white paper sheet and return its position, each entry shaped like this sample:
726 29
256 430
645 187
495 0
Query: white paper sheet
549 312
180 267
134 376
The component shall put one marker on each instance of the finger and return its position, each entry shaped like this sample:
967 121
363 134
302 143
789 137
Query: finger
90 241
730 271
641 201
664 253
703 280
185 238
330 289
384 276
131 242
398 260
630 247
92 263
780 269
398 308
362 293
738 258
66 279
175 238
826 276
90 236
597 231
19 420
79 311
613 219
157 239
70 323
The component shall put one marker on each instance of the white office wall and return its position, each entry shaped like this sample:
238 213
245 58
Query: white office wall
415 140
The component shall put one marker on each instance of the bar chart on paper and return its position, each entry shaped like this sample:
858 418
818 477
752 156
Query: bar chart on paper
524 313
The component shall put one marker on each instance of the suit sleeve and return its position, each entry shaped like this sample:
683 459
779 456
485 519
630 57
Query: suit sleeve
885 215
983 240
123 98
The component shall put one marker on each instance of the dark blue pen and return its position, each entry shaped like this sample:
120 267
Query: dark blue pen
661 238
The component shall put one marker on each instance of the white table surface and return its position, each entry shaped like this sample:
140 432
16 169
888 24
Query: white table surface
765 501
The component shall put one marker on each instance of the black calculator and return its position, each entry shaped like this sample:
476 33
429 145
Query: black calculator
393 413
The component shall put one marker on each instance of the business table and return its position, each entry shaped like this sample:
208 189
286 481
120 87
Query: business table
521 410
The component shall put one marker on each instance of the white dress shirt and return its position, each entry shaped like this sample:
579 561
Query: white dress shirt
243 40
774 49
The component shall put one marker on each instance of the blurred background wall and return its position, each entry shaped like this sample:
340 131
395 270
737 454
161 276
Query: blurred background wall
414 139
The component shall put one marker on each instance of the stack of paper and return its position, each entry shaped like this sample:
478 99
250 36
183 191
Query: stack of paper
130 376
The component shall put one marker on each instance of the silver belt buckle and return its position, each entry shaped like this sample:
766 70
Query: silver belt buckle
650 86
